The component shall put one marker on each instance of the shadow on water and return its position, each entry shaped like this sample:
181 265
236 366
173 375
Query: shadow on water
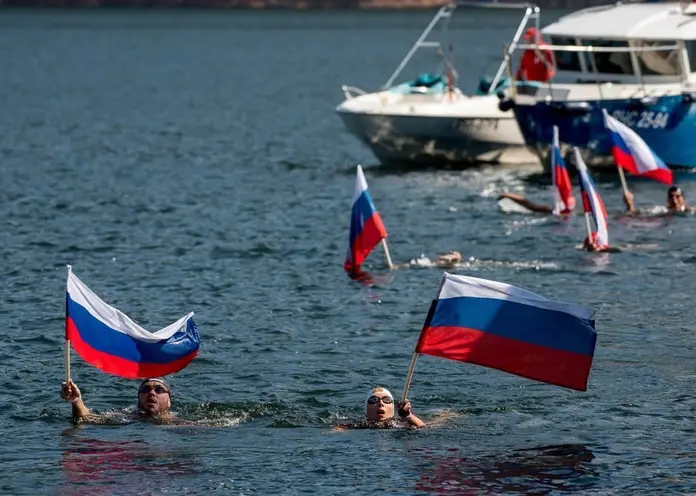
539 470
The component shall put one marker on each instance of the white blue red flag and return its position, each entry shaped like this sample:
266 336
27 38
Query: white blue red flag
633 154
366 226
564 202
592 203
508 328
109 340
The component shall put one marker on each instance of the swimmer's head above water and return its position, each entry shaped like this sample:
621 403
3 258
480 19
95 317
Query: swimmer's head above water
449 258
154 397
591 243
675 199
380 405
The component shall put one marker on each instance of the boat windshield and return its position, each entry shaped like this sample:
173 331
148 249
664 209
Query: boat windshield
659 62
620 59
618 62
566 61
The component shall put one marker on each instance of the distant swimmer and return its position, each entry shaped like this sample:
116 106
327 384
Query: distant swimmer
592 244
446 260
154 403
676 203
534 207
379 413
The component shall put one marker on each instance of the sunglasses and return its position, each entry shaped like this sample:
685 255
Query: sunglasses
158 389
373 400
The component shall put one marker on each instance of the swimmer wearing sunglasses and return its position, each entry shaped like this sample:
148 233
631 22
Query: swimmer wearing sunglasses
154 402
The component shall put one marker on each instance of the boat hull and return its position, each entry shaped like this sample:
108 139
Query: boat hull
440 139
666 123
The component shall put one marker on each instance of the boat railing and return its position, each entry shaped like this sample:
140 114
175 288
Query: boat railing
531 12
348 91
444 14
598 49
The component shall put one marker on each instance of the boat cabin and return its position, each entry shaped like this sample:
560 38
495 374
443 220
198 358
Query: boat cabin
625 43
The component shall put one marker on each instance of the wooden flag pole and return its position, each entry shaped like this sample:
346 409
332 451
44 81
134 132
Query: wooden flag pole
623 179
386 254
67 342
409 375
588 224
622 176
426 324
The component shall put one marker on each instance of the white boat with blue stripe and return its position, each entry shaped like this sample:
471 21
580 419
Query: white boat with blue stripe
637 61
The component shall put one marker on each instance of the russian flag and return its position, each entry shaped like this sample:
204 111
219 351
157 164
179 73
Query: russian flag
366 226
591 201
564 202
109 340
504 327
633 154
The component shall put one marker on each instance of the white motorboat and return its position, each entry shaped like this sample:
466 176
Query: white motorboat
430 120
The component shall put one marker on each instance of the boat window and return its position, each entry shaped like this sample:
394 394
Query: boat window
566 61
691 50
609 62
658 63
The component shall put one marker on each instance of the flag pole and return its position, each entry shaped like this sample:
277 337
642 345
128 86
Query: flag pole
426 324
67 338
386 253
623 179
409 375
622 176
588 225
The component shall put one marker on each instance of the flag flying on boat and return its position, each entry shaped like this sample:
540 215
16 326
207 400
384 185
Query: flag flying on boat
109 340
366 226
504 327
562 187
633 154
592 203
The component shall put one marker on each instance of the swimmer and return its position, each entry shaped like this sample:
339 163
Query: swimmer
446 260
534 207
591 244
154 402
676 203
379 413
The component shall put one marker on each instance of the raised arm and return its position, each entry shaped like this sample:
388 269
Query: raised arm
629 202
521 200
70 392
407 414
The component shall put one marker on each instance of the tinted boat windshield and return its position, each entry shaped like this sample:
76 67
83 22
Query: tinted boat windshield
609 62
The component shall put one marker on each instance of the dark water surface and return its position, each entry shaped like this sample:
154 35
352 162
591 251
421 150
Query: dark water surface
193 161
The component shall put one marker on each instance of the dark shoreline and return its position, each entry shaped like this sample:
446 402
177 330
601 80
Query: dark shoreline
323 5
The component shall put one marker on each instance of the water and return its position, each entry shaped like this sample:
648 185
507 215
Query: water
185 160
